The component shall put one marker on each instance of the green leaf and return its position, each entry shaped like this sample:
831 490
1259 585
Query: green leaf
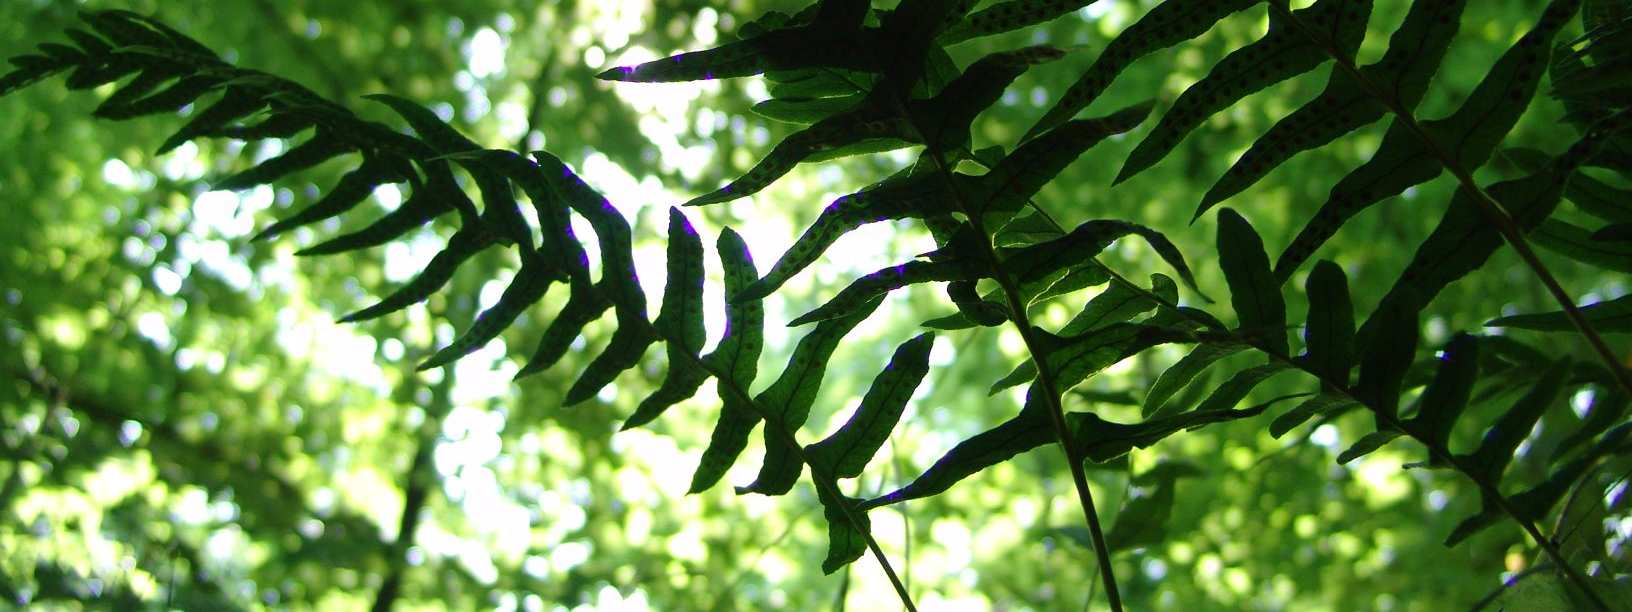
1235 389
1170 23
1143 517
1254 293
943 120
1414 55
462 246
1330 332
432 129
1074 359
1599 199
277 124
1613 316
1534 503
849 449
235 103
168 100
1284 52
1496 450
1317 405
737 355
618 278
1607 409
870 288
818 83
679 322
1464 240
1082 244
322 147
870 120
805 46
622 352
1101 441
1177 376
428 201
1028 430
892 199
527 288
1445 398
1619 232
584 304
1391 346
611 231
846 542
352 189
1579 243
1117 304
1008 16
806 110
1468 137
788 400
1021 174
1368 445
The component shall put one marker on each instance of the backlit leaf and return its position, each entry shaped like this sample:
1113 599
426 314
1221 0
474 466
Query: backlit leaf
1254 292
737 355
1442 402
1177 376
1496 450
1609 316
788 400
679 322
1468 137
462 246
849 449
1579 243
1284 52
1414 55
525 289
1170 23
1330 332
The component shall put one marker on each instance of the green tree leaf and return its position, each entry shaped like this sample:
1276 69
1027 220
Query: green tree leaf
1580 244
1253 290
1614 316
790 397
1414 54
1179 375
679 321
849 449
1468 137
1284 52
1330 332
737 355
1442 402
1170 23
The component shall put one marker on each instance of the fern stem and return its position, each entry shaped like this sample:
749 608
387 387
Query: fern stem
1488 489
1051 391
1493 210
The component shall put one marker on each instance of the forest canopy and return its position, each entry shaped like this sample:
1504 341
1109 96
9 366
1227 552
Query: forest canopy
939 304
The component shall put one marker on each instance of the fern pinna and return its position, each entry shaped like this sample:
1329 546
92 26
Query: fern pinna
863 80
